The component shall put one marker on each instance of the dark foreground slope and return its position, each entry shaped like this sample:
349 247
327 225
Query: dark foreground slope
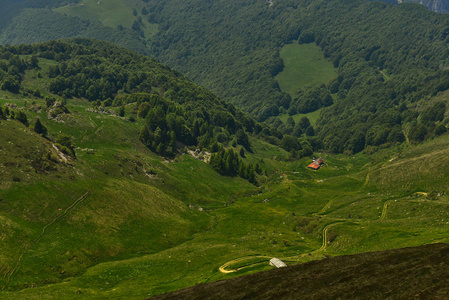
409 273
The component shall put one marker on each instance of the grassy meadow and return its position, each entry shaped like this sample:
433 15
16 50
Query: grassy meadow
305 66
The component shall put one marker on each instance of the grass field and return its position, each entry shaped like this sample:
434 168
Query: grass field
305 66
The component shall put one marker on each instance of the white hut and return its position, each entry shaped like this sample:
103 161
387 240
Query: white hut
276 262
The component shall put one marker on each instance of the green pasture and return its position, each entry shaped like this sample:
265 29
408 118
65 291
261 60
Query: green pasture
304 65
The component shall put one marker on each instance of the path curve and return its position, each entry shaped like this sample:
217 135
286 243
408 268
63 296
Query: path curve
223 269
384 210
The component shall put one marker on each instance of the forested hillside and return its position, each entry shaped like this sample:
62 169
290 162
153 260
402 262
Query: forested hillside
178 112
11 8
34 25
388 58
86 122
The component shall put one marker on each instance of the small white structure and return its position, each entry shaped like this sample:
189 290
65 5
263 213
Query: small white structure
276 262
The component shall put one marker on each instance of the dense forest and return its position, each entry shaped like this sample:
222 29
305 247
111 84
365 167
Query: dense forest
388 57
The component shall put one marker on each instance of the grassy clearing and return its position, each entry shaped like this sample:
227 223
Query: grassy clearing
313 117
304 66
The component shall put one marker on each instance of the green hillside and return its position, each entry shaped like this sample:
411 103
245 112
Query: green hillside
234 48
121 178
115 13
110 13
88 191
97 205
34 25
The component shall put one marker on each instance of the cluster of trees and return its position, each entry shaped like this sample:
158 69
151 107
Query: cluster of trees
227 162
310 100
428 123
65 145
169 125
8 113
12 69
290 127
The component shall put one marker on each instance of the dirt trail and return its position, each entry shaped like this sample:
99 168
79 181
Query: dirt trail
325 229
223 267
384 210
421 193
9 273
324 208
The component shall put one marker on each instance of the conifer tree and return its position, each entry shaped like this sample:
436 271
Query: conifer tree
39 128
242 152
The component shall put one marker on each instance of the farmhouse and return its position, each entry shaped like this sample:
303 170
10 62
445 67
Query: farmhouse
276 262
315 165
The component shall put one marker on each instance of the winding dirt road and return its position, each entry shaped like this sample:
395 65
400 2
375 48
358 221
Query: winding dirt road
223 269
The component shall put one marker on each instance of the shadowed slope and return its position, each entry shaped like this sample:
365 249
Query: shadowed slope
419 273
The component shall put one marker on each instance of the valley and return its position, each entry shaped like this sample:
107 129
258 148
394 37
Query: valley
120 177
352 204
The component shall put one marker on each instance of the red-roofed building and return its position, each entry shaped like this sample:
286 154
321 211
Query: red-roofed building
316 164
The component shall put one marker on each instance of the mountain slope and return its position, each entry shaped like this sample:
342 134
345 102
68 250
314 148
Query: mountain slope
34 25
377 82
373 97
420 272
87 190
